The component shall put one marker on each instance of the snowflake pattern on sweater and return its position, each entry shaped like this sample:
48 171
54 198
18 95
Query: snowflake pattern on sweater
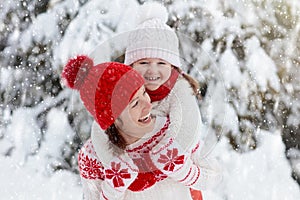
148 182
90 166
171 159
117 174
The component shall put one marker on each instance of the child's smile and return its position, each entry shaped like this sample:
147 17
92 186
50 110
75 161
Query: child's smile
155 71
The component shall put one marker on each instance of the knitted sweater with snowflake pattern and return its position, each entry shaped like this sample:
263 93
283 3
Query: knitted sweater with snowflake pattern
150 182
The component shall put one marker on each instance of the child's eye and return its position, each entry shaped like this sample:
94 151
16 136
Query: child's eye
143 63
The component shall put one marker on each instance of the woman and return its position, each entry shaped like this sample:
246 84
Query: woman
131 160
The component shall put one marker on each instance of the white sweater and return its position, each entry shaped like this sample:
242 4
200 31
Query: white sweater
182 108
185 127
97 151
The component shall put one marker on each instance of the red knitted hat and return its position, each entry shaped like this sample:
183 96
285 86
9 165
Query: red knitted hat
105 89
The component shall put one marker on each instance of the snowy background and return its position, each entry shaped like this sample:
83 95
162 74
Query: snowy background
247 53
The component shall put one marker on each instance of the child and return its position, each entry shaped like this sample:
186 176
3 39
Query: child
153 50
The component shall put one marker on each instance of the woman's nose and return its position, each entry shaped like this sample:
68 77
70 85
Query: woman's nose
148 105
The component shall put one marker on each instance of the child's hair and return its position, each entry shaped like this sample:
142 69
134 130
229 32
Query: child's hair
115 137
195 85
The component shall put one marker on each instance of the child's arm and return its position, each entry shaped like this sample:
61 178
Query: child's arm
184 113
212 166
185 129
177 164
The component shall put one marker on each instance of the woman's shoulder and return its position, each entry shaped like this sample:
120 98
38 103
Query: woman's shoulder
101 144
88 148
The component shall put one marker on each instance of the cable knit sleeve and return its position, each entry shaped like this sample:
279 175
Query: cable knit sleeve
182 107
185 128
211 170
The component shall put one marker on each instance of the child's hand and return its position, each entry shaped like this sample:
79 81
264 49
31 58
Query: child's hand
175 162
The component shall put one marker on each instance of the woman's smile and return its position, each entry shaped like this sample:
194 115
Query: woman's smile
146 119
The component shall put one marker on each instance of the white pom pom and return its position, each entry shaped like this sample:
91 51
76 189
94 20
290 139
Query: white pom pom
152 10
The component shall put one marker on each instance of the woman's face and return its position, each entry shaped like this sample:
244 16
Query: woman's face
155 71
136 120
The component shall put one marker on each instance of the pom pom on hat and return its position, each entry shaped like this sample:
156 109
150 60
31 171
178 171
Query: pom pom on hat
152 10
76 70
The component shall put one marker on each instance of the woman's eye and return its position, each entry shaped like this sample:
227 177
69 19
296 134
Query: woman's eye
135 104
161 63
143 63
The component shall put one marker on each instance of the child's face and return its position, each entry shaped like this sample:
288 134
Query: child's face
155 71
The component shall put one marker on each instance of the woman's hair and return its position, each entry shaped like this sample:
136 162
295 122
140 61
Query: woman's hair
115 137
193 82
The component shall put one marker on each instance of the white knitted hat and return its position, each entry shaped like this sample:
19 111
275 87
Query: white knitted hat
152 38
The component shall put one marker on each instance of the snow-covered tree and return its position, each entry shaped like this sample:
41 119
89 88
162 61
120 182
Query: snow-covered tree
251 49
30 32
247 53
